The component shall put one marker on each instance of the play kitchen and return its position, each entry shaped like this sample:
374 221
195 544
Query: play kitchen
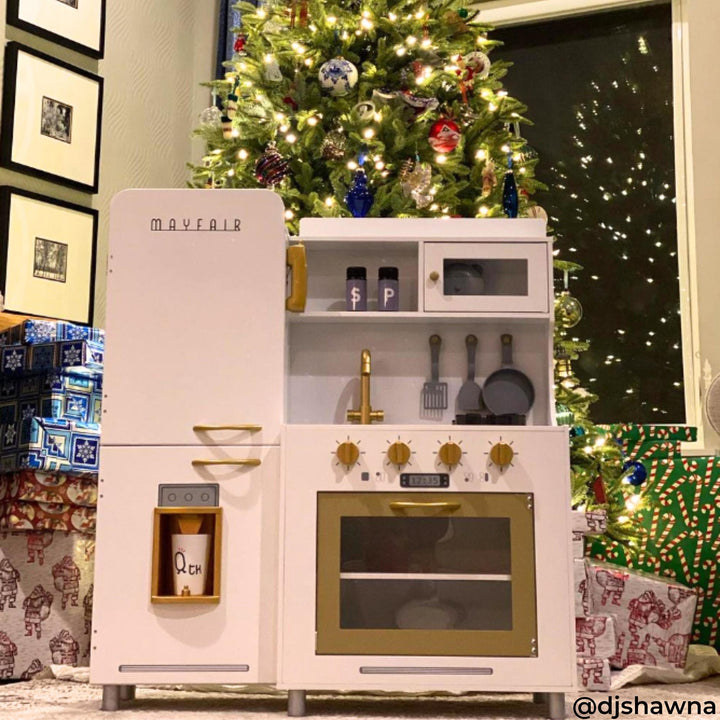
366 492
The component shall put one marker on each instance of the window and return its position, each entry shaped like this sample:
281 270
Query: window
599 90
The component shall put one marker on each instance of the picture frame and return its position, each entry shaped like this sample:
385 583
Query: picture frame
48 253
76 24
51 119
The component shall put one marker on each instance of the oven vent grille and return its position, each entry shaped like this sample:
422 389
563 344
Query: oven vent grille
404 670
183 668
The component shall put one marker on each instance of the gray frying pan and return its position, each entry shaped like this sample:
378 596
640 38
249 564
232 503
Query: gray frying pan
508 391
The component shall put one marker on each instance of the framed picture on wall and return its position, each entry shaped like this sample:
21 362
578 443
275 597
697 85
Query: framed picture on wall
51 119
47 256
76 24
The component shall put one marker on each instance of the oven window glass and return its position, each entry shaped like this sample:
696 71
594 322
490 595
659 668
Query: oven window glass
492 276
425 573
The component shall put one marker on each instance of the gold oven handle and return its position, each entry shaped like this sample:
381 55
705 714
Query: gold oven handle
210 428
402 505
229 461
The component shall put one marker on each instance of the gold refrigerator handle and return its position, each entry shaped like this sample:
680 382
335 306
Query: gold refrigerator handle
209 428
401 505
297 262
228 461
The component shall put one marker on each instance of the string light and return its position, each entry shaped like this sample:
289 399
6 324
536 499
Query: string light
352 165
329 201
369 134
243 154
331 19
312 121
289 214
291 138
440 159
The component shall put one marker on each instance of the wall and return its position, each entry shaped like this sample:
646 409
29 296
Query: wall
156 55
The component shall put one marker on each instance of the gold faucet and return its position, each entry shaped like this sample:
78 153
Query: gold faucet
365 415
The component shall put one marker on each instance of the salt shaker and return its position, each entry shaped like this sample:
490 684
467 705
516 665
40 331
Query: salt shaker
356 289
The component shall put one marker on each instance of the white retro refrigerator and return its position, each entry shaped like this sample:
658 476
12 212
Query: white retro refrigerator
192 414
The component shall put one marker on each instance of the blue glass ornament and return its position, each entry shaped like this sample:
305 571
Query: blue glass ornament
510 195
577 431
359 199
638 475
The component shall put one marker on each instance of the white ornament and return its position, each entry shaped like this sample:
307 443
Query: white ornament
479 63
338 76
536 211
211 116
365 111
272 70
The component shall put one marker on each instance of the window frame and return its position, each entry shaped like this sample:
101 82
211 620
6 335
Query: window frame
500 13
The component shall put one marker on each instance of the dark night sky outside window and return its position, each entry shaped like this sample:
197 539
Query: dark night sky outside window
599 90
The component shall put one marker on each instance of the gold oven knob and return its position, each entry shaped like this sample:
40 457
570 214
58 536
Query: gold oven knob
348 453
450 454
501 454
434 276
398 453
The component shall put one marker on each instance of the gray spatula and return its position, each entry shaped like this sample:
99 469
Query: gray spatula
470 395
434 392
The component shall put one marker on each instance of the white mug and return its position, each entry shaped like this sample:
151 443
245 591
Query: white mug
190 563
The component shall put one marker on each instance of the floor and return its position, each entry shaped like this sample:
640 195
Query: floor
51 699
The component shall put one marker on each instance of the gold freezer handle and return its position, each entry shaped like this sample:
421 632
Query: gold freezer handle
209 428
441 506
297 262
229 461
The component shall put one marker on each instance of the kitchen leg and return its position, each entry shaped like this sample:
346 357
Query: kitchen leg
127 692
556 705
296 703
110 698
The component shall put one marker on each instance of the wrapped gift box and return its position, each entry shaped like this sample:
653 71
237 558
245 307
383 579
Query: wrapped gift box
648 442
54 394
50 445
46 596
19 515
589 522
653 615
593 673
580 578
25 359
595 636
38 332
56 488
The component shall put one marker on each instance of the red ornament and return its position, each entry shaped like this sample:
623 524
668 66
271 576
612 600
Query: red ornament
291 102
598 488
444 135
239 45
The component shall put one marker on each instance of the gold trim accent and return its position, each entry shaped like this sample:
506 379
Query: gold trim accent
254 462
210 428
332 639
365 415
402 505
297 261
159 583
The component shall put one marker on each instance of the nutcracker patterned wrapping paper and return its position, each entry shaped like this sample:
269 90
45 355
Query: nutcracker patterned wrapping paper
71 395
681 534
37 332
50 445
32 486
46 596
653 616
27 359
47 516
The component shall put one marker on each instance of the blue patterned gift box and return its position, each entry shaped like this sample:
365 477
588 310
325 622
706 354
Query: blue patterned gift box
24 359
71 395
50 445
38 332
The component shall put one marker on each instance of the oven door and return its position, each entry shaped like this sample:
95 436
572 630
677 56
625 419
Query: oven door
422 573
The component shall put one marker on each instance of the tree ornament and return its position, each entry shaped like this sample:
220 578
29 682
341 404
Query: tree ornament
598 488
239 46
478 64
271 167
359 199
227 128
577 431
364 111
510 195
538 212
444 135
338 76
334 145
211 116
637 472
272 70
568 310
564 415
419 105
463 13
232 105
417 183
489 177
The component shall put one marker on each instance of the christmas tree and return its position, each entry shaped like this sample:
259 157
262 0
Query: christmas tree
385 108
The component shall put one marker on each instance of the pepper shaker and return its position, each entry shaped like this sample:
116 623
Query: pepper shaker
388 289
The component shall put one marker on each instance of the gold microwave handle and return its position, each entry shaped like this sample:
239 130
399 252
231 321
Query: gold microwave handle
209 428
297 262
402 505
229 461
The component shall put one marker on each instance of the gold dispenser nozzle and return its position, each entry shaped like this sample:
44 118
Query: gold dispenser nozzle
365 415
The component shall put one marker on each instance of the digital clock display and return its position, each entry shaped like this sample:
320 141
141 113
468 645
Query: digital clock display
424 480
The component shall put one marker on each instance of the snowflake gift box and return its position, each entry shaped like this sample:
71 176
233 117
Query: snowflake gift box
46 596
18 515
38 332
73 395
653 615
24 359
56 488
50 445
